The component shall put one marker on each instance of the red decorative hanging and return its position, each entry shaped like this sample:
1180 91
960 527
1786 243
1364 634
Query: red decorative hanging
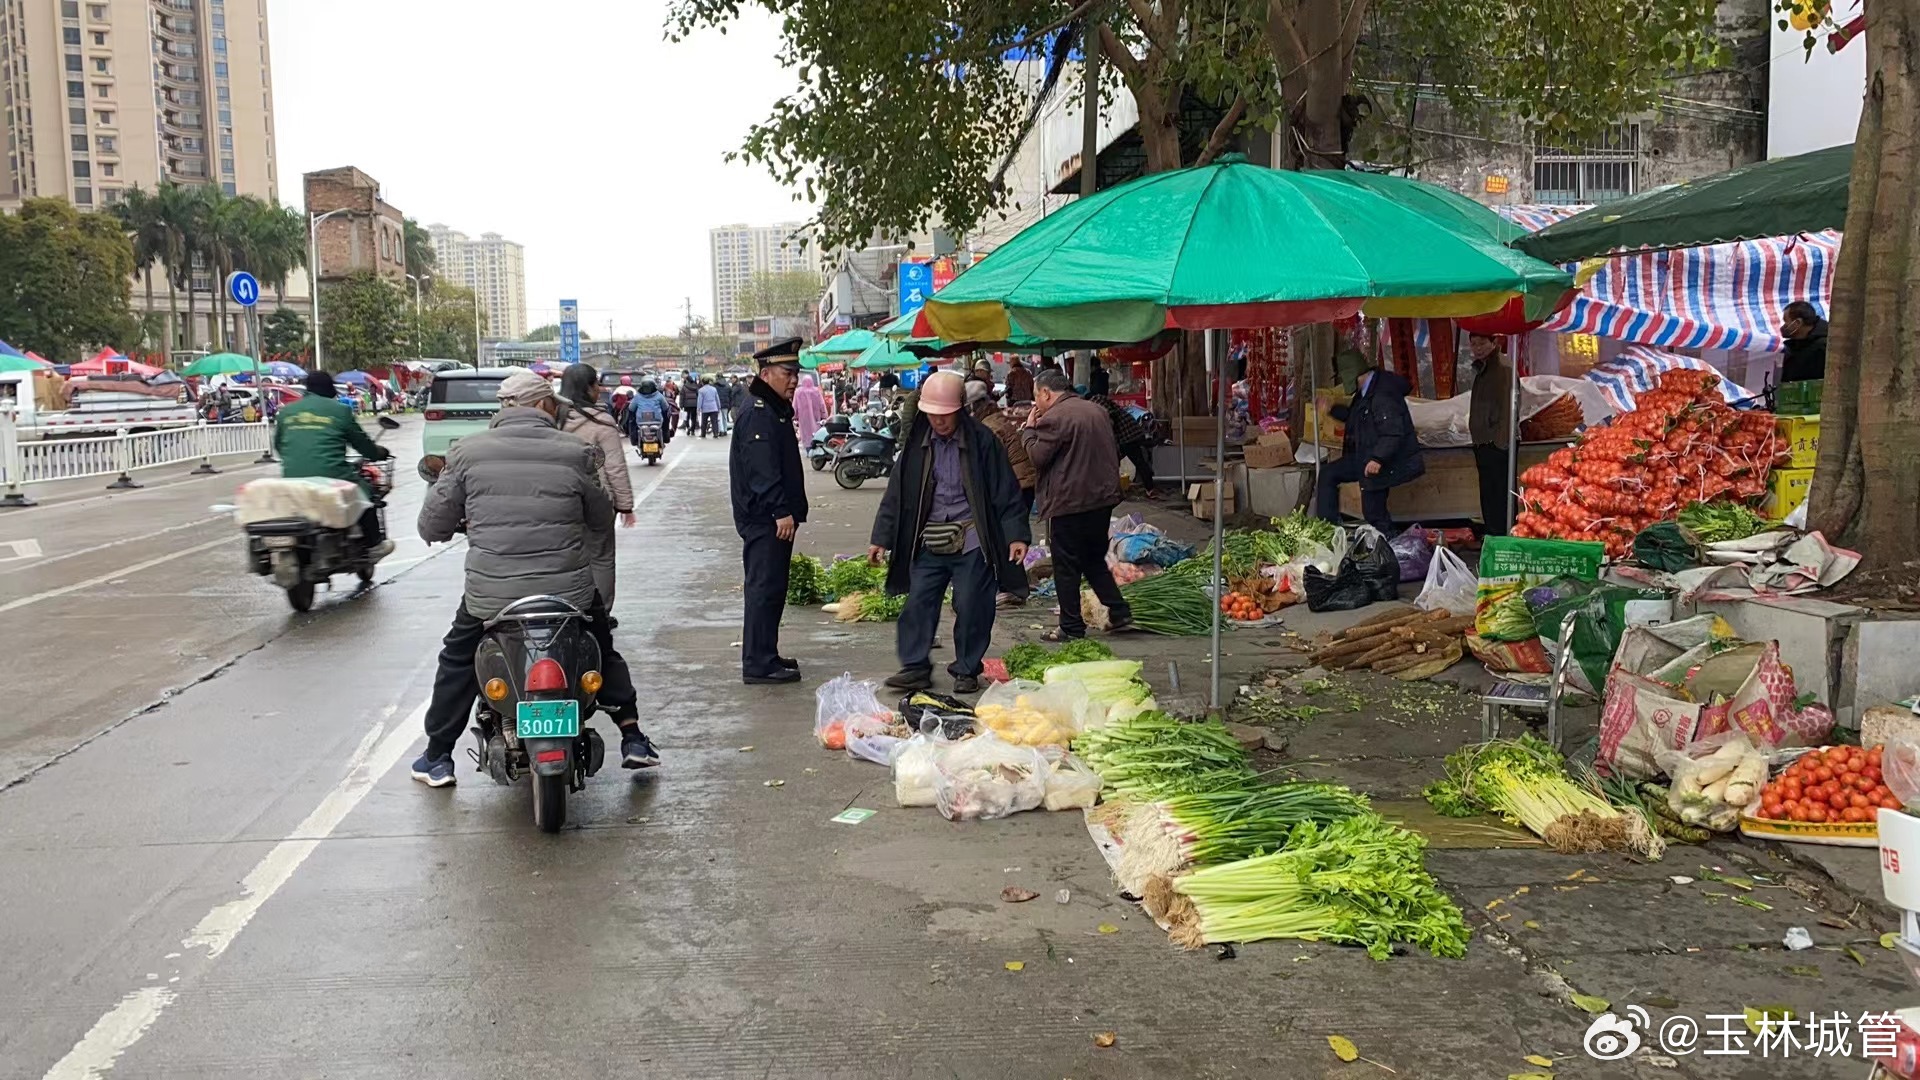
1406 359
1446 358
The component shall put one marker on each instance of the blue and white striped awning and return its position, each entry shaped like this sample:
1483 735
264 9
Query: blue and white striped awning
1726 296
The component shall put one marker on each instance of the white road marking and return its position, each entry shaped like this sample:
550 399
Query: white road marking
22 549
661 479
143 537
116 575
124 1025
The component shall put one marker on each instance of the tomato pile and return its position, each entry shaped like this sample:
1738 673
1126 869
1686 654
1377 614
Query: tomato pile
1240 606
1682 443
1840 783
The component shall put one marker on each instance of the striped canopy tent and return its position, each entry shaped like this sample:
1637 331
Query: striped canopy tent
1724 296
1638 368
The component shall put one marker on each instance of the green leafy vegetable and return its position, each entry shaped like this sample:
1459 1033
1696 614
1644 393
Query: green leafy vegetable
1525 781
1152 755
1169 604
806 581
1030 661
879 607
848 576
1713 522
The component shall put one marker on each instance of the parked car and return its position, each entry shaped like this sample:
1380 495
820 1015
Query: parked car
460 402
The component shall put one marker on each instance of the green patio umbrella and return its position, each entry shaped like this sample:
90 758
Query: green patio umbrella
839 348
222 363
1803 193
1239 245
10 362
886 353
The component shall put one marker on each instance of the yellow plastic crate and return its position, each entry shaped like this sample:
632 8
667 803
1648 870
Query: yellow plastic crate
1801 435
1787 489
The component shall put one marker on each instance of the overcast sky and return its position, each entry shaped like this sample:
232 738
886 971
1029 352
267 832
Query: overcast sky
570 126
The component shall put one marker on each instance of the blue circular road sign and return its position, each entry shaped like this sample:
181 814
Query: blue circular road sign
244 288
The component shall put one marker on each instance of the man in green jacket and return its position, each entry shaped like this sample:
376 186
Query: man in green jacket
311 436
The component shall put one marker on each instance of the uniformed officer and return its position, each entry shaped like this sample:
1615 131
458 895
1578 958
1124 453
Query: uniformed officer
769 505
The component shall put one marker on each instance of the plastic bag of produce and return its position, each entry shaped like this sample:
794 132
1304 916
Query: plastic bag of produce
1450 584
842 699
1510 565
1034 714
1414 552
869 738
1345 591
1373 555
916 771
1714 779
1900 770
985 777
924 710
1071 783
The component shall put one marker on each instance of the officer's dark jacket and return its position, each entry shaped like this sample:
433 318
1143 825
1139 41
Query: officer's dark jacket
764 462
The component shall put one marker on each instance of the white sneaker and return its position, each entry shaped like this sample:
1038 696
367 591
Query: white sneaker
380 550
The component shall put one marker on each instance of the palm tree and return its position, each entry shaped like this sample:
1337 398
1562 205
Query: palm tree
139 215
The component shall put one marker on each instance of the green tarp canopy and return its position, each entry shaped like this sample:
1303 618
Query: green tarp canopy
1804 193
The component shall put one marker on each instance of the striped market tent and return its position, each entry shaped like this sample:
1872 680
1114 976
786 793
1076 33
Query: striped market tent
1726 296
1638 368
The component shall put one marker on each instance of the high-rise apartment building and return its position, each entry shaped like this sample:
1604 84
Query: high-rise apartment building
493 267
740 251
97 96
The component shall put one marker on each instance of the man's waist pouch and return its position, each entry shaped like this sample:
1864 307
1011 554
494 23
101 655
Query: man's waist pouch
945 537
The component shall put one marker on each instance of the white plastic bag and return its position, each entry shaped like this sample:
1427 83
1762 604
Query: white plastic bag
1071 783
986 777
1451 584
1714 779
871 738
842 699
916 771
1034 714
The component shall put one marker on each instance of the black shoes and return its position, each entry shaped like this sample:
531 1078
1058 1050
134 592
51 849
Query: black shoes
966 684
784 675
911 679
787 662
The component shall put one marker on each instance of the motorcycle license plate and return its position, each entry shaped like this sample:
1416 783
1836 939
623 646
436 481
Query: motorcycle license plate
650 448
280 541
548 719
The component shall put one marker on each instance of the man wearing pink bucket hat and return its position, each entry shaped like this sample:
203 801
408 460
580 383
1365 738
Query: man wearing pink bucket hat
953 515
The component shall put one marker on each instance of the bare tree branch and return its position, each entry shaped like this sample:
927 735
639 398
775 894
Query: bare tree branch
1223 131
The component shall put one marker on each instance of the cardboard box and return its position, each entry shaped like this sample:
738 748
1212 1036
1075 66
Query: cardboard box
1195 430
1276 438
1786 490
1265 455
1801 434
1200 495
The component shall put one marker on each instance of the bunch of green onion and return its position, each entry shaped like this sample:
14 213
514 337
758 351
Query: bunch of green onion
1151 755
1525 781
1207 828
1357 881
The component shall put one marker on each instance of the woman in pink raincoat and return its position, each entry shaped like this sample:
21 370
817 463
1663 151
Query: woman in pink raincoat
809 409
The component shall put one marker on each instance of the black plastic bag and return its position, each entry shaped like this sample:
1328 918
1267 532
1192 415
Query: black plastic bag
1379 568
1344 591
924 710
1664 547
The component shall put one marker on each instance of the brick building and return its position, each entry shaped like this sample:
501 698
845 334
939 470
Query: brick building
370 235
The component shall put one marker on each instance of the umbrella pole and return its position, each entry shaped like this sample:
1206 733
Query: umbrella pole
1179 419
1513 427
1218 367
1312 413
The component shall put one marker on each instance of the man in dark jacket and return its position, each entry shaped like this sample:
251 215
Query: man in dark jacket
528 495
1071 443
769 505
952 515
1019 383
1489 413
690 402
312 436
1134 442
1806 334
1380 451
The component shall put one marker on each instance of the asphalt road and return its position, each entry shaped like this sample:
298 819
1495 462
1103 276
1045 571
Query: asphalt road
241 880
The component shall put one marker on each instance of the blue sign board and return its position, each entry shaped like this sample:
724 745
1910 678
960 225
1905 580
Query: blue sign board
570 331
244 288
916 284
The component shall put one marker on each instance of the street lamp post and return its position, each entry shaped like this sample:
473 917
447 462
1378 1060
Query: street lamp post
313 279
419 347
476 325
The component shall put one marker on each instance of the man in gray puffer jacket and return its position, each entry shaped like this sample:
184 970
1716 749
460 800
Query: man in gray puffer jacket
528 496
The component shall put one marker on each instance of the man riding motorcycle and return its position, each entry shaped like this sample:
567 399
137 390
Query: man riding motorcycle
312 436
528 497
649 406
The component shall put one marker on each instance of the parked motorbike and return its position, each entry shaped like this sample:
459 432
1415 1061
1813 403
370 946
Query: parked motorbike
868 456
540 665
300 554
650 443
828 441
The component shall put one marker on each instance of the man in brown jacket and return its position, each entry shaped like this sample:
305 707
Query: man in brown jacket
980 404
1019 383
1489 413
1070 441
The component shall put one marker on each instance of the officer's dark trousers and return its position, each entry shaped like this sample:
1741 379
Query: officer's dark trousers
767 559
975 584
455 685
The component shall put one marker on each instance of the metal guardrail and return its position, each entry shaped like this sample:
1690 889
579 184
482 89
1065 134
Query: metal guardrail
46 460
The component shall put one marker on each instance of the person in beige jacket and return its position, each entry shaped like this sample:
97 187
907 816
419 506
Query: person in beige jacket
580 390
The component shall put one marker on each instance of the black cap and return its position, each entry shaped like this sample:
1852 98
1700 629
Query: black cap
780 352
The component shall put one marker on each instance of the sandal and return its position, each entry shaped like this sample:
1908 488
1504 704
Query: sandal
1056 635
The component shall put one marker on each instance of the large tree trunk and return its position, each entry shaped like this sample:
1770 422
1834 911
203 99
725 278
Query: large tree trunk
1866 488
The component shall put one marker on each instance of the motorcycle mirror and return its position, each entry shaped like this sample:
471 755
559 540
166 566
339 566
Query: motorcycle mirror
389 423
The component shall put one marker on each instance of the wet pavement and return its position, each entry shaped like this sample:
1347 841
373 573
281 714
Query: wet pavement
241 880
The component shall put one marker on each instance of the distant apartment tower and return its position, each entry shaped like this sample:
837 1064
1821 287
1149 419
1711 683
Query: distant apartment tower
493 267
101 95
740 251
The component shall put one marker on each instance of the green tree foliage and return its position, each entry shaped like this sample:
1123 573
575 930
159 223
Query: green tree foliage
65 281
285 333
173 225
422 260
700 338
365 321
791 294
446 323
884 83
550 332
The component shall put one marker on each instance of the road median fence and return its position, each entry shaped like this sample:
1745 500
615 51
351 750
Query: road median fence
118 455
